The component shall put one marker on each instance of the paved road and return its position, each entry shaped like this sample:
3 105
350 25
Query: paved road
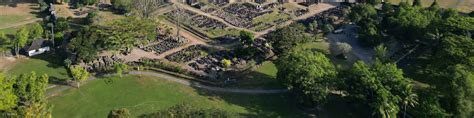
363 53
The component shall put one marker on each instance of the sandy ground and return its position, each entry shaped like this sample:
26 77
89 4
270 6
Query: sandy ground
7 63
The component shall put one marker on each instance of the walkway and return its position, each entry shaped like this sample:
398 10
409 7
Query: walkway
21 23
55 90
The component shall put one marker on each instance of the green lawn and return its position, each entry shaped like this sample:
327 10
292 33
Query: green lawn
9 19
213 33
42 64
143 94
270 18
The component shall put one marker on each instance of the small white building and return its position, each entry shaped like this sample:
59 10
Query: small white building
37 47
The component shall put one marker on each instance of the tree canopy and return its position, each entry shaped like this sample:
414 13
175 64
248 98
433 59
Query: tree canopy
382 86
309 74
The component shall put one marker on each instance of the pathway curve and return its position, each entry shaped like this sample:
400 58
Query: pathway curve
21 23
210 88
55 90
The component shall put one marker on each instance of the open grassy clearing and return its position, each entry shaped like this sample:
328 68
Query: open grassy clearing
41 64
22 12
143 94
462 5
270 18
13 30
213 33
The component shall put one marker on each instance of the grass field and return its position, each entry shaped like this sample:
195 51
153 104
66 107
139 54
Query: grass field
41 64
143 94
270 18
462 5
214 33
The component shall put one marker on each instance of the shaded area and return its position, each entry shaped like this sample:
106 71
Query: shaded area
48 63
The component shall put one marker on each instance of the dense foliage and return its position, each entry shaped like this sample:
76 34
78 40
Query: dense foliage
382 86
310 74
24 96
284 39
121 35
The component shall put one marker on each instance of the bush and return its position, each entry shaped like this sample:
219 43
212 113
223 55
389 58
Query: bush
157 63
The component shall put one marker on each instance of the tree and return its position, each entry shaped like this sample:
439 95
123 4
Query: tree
327 28
457 49
409 23
21 39
226 63
146 8
8 98
387 8
362 11
382 86
79 74
417 3
374 2
369 35
5 43
344 48
62 24
36 31
122 6
308 74
434 5
119 113
313 26
460 92
429 105
247 37
91 17
120 68
284 39
30 90
381 53
67 62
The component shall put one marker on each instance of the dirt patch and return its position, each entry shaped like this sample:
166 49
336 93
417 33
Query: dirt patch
6 63
20 9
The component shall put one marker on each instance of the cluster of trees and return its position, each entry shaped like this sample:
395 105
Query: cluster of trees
384 88
24 96
120 35
445 35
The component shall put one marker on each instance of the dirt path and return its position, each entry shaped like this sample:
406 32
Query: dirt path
55 90
21 23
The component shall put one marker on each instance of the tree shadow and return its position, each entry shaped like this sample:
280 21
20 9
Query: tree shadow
254 79
258 105
54 58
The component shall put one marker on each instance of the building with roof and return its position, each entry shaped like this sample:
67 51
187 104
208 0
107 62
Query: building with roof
37 47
